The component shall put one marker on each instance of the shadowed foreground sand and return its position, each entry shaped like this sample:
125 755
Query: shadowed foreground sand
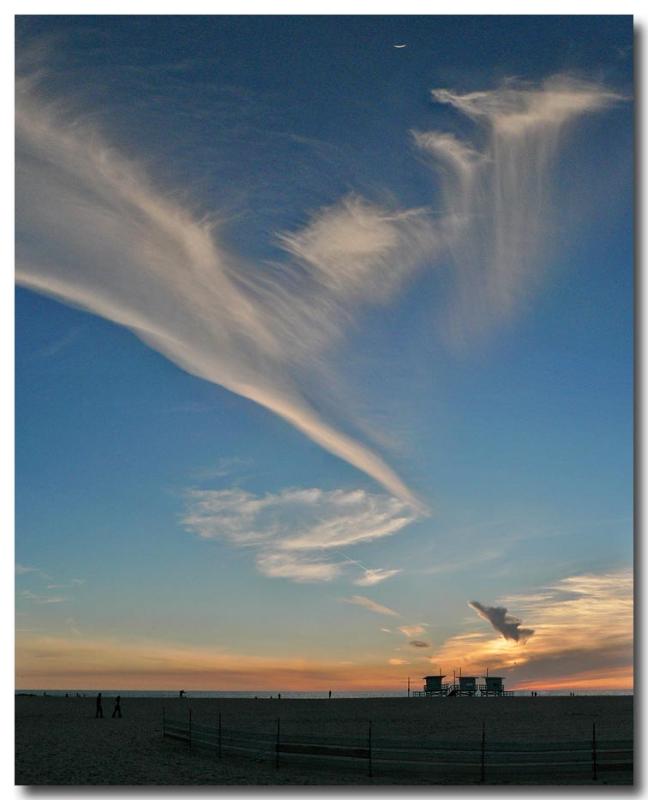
59 742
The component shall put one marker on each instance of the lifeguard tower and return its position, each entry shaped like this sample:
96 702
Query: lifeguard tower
434 687
493 687
467 685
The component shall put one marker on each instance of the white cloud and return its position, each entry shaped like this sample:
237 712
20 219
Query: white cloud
373 576
396 662
412 630
21 569
515 109
294 529
41 599
73 584
498 193
297 568
447 147
371 605
356 249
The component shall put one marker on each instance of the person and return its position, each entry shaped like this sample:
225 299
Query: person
279 696
182 691
329 694
117 708
99 711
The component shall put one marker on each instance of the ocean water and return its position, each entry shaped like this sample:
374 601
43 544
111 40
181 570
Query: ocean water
264 694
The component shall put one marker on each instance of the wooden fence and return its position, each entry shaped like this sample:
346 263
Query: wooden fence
484 761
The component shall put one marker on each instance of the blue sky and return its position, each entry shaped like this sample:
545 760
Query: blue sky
383 359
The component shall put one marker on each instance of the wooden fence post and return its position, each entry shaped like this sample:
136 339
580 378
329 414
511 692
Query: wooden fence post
220 736
190 729
483 753
594 773
370 753
277 745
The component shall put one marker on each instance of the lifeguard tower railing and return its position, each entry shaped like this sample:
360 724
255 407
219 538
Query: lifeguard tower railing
438 691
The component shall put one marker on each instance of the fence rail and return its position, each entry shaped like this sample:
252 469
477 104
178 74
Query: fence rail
462 762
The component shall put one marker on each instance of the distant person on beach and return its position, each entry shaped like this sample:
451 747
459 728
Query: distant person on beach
99 711
182 692
117 708
329 694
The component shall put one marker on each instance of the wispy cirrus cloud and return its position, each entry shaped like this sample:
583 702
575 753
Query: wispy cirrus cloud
41 599
46 583
299 568
72 584
373 576
93 231
298 532
23 569
54 348
371 605
498 192
355 249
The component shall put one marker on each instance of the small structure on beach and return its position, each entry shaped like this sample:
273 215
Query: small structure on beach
434 686
467 686
493 686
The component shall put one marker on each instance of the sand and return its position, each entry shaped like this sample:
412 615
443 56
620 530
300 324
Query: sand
59 742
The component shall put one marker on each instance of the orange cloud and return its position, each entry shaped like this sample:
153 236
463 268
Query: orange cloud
583 637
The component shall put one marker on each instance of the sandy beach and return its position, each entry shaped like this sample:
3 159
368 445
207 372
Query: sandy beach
59 742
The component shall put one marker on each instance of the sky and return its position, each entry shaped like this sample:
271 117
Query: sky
323 351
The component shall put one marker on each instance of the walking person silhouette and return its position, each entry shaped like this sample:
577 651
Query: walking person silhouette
117 708
99 711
